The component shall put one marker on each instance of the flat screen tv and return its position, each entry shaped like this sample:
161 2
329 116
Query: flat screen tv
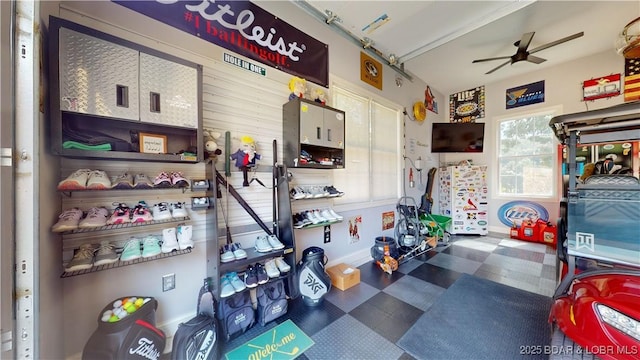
457 137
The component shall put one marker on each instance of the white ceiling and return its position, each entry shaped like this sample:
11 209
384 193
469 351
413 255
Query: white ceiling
437 40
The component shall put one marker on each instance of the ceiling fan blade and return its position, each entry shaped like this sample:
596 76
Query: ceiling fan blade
490 59
557 42
523 44
498 67
535 59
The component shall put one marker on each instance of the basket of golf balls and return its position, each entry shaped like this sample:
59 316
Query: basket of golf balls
123 308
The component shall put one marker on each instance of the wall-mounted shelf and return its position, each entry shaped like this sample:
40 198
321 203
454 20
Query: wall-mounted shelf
252 257
124 263
69 192
127 225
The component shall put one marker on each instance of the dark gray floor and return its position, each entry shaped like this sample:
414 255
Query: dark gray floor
367 320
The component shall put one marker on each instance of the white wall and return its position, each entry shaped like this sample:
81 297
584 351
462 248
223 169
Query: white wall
563 87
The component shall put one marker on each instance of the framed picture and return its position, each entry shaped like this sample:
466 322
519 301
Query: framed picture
152 143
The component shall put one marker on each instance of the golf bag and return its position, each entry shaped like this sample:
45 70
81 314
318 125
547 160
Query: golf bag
197 338
272 301
132 337
313 280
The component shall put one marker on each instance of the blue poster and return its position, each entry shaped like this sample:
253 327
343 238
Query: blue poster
525 95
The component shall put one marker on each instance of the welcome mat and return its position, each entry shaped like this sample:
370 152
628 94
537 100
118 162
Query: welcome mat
283 342
477 318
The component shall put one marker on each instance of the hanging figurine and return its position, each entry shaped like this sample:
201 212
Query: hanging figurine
246 157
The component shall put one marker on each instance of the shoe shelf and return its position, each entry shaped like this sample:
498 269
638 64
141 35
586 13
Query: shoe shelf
252 257
127 225
325 223
183 188
120 263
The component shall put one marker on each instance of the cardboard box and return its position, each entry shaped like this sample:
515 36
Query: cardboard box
343 280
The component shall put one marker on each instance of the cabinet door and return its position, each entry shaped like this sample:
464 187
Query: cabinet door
333 128
312 130
168 92
97 77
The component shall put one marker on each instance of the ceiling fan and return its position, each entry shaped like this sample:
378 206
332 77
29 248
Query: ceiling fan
523 55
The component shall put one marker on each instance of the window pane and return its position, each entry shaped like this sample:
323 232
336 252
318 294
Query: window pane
525 156
384 147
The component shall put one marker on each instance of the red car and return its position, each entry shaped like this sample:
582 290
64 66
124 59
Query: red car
596 309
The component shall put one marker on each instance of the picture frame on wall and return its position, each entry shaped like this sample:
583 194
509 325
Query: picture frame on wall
152 143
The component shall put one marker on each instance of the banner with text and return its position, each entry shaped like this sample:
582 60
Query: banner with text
244 28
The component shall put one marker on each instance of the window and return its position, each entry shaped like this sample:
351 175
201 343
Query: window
372 153
526 155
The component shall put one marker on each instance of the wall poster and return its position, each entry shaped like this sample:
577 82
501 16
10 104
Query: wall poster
467 106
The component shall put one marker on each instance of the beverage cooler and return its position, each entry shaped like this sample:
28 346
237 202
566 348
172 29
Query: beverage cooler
463 197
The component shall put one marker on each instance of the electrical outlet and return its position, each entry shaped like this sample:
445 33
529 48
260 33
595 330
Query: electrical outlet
168 282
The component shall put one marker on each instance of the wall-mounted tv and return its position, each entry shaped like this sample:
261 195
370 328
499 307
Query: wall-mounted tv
457 137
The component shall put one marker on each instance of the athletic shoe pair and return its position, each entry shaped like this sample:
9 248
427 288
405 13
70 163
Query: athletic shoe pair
83 179
68 220
230 284
268 243
174 180
87 256
166 211
136 248
178 238
127 181
255 275
231 252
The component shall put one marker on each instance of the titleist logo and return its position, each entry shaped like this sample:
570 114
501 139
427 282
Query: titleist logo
242 23
147 349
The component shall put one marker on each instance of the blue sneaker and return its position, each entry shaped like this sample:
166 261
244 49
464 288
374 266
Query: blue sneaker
238 285
131 250
151 246
226 289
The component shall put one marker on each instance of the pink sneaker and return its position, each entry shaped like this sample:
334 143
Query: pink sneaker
121 215
162 180
141 213
177 180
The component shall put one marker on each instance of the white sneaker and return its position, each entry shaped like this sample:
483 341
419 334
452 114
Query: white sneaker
68 220
161 211
336 215
262 244
169 240
238 251
178 210
274 242
82 259
76 181
226 254
311 217
282 265
184 233
96 216
327 215
272 269
98 180
321 218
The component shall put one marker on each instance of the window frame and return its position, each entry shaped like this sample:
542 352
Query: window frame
497 121
344 202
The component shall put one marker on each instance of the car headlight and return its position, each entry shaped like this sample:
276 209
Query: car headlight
619 321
